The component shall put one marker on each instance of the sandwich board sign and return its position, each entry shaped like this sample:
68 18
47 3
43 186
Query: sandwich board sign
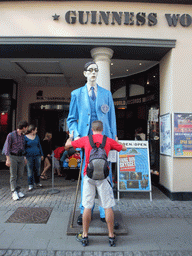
133 168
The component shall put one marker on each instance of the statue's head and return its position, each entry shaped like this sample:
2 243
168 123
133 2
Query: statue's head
91 71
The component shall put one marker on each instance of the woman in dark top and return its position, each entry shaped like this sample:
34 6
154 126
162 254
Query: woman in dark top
34 155
47 151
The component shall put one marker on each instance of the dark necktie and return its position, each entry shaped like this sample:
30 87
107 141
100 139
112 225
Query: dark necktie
93 97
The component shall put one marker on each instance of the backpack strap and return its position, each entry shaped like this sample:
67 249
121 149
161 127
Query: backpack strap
91 141
103 142
102 145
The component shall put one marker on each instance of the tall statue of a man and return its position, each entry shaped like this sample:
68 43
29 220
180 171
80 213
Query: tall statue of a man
90 103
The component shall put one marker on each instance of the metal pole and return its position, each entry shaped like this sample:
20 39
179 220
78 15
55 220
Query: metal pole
150 196
53 190
73 214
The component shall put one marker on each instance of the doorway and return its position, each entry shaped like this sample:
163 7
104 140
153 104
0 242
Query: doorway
137 108
50 117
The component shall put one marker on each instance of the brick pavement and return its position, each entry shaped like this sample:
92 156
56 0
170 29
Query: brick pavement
161 227
92 253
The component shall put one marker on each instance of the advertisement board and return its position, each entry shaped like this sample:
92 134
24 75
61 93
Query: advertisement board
165 135
133 172
182 134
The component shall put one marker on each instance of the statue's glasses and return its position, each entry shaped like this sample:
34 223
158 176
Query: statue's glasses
93 69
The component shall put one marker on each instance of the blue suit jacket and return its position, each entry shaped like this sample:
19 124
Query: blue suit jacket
79 117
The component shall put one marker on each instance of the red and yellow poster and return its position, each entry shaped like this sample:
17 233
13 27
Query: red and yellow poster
127 163
134 167
182 134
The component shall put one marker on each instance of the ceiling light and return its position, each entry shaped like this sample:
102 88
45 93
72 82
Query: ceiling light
127 70
111 63
140 64
154 76
111 74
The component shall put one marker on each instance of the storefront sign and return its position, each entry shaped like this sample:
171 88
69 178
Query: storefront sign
39 96
123 18
182 134
138 100
134 168
165 134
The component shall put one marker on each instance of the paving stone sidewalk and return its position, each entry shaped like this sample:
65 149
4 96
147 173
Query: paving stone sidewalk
91 253
157 227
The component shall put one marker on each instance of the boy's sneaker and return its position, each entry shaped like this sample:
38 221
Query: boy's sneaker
112 241
83 240
20 194
15 196
30 187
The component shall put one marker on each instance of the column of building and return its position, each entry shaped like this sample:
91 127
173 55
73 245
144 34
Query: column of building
102 56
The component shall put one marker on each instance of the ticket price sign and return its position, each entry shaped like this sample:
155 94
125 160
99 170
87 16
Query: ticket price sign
133 172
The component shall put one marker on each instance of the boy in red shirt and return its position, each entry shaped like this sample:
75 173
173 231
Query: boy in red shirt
57 156
104 187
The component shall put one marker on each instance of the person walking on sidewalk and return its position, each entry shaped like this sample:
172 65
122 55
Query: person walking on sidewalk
14 150
90 184
34 156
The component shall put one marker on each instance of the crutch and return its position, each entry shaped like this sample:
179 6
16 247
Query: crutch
73 215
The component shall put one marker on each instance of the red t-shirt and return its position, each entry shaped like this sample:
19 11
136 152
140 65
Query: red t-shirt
58 152
84 143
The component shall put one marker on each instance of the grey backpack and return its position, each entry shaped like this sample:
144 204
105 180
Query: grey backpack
98 168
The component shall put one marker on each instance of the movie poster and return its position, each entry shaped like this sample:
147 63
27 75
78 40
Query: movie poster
165 134
182 134
134 167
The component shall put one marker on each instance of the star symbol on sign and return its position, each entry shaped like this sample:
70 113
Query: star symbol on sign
56 17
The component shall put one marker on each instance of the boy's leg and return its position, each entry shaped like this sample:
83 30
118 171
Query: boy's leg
101 209
79 220
89 191
109 216
86 221
87 202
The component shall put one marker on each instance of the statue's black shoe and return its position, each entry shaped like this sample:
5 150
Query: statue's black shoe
80 219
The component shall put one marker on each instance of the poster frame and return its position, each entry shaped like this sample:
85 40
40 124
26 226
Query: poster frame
132 144
168 116
173 134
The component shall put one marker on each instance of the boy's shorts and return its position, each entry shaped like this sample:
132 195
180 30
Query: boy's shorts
104 189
